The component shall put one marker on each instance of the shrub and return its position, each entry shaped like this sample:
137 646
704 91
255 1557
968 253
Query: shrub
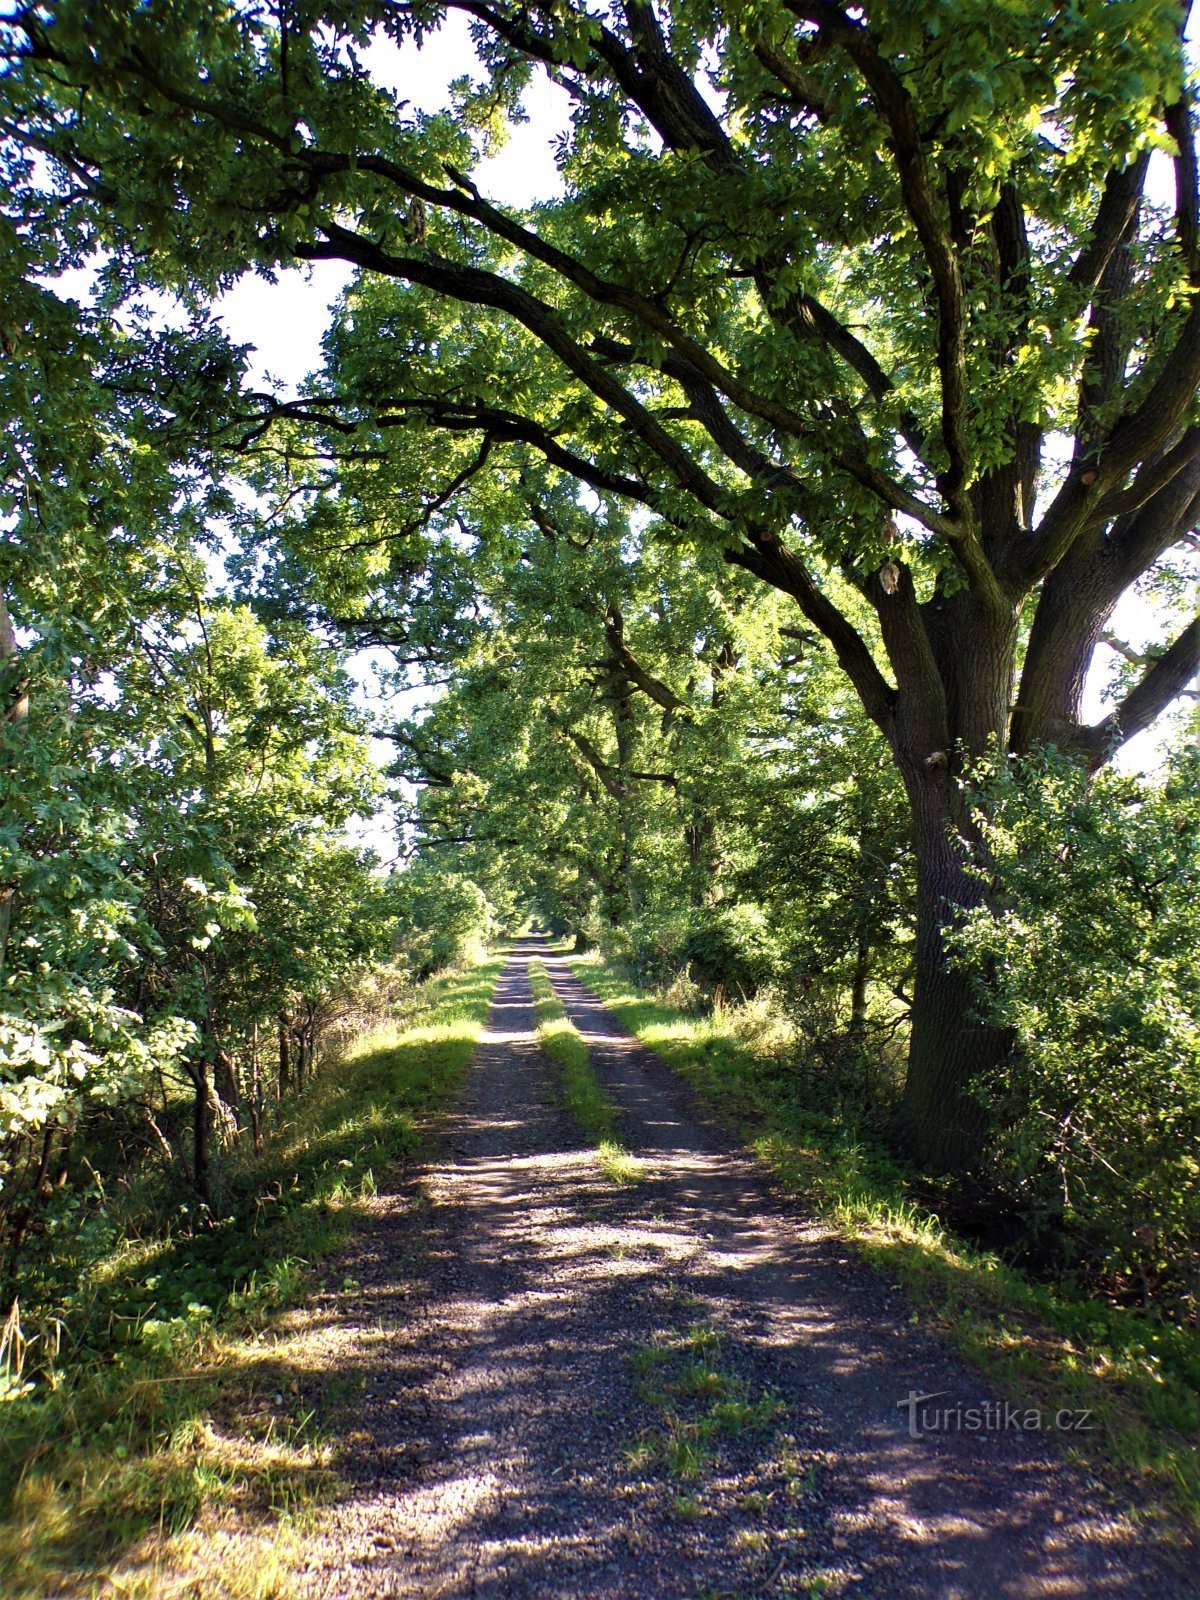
1088 943
731 949
446 920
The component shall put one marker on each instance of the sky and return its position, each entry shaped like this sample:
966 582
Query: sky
284 320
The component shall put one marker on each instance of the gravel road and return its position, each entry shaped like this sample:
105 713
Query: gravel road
562 1386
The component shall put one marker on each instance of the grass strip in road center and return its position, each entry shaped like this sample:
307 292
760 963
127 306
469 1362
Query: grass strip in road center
585 1099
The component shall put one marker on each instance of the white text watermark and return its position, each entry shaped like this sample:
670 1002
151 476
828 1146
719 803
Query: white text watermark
925 1415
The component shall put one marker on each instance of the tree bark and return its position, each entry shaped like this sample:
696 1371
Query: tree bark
200 1127
13 716
225 1081
256 1090
704 865
943 726
619 692
285 1073
948 1050
858 985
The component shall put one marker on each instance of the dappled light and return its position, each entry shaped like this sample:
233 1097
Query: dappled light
584 1367
599 800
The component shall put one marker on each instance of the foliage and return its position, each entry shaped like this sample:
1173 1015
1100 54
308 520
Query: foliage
826 297
444 919
170 890
730 947
1090 944
741 497
176 776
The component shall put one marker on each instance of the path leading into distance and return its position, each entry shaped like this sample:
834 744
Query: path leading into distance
510 1330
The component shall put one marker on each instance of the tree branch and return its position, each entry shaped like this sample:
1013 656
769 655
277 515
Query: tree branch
1180 122
1163 682
470 416
1122 192
921 201
473 286
662 694
614 778
771 561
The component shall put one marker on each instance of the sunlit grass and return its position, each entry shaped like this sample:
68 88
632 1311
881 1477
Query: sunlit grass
1139 1378
617 1165
174 1399
585 1099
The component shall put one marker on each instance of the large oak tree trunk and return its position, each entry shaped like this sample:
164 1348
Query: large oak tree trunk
951 1049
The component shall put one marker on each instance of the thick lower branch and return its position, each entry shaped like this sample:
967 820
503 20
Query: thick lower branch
775 564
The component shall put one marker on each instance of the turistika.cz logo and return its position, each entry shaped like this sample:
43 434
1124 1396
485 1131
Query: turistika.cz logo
986 1416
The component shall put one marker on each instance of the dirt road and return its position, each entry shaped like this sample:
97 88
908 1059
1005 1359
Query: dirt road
667 1388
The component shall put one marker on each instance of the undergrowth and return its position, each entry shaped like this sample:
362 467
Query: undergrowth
1138 1376
150 1392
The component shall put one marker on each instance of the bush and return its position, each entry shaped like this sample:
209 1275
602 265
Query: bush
446 920
590 932
1088 947
731 949
654 954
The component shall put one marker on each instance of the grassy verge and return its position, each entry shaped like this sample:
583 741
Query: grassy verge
173 1400
585 1099
1137 1377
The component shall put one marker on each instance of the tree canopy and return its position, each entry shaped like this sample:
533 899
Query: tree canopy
876 306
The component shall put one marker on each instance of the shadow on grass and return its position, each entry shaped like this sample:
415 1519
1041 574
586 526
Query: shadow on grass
170 1400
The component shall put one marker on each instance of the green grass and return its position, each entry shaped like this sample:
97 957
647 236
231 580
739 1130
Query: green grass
1041 1342
698 1404
172 1396
585 1099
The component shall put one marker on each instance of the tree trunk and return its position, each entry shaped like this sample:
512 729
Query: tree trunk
624 726
858 985
284 1061
13 717
704 867
256 1091
939 734
225 1081
37 1183
200 1127
949 1049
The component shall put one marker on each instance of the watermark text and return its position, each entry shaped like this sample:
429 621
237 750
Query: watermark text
926 1415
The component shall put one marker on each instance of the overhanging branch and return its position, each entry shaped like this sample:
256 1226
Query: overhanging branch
1162 683
771 561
